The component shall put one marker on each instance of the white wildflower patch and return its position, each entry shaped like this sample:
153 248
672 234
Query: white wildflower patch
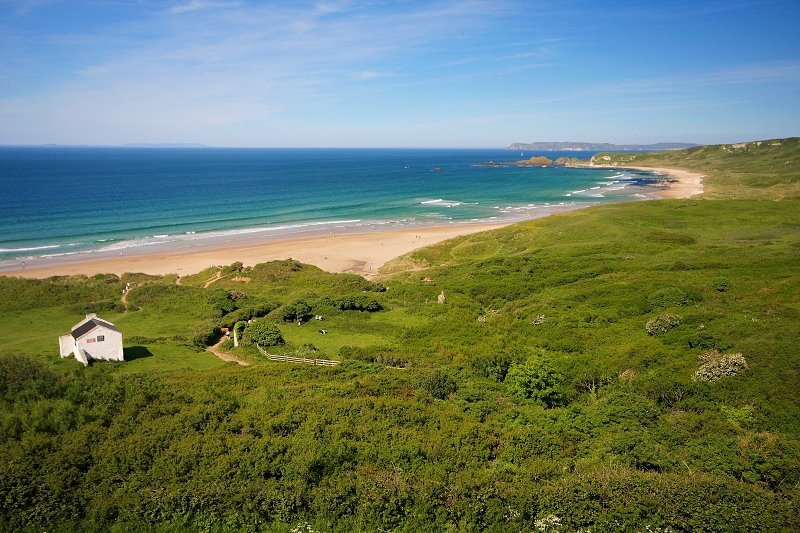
303 528
662 323
549 523
714 366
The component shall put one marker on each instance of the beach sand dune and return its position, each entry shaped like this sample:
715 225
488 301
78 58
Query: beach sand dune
361 253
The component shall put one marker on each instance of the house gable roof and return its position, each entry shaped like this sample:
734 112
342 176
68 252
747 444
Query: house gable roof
89 325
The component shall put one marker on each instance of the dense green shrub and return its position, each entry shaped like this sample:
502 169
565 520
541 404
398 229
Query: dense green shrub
204 335
439 384
628 500
722 285
375 354
492 365
264 333
358 302
222 301
298 311
253 310
21 374
102 306
672 297
535 379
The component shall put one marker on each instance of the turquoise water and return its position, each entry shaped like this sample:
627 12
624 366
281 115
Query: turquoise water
65 201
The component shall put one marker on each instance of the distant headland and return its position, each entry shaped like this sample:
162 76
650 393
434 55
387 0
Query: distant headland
597 147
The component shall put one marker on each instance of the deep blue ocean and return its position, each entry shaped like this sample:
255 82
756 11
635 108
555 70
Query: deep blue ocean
59 200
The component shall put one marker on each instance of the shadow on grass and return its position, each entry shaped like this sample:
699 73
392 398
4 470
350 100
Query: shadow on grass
132 353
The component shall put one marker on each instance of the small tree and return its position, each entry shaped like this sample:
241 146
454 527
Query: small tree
264 333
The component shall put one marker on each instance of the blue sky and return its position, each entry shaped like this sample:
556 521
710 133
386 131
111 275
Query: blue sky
401 73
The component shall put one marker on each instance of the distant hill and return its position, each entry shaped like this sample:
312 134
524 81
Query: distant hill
588 147
164 145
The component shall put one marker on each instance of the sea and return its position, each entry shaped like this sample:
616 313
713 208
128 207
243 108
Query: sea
71 202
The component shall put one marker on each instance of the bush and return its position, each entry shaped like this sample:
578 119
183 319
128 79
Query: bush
493 365
722 285
103 306
438 384
222 302
715 366
374 354
204 335
246 313
672 297
263 333
19 373
662 323
296 311
358 302
535 380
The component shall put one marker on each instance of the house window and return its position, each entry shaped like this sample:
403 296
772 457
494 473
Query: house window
101 338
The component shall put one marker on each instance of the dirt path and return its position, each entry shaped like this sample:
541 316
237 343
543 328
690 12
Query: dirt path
124 299
212 279
225 356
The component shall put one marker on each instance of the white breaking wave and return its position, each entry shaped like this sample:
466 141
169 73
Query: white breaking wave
191 235
30 249
442 203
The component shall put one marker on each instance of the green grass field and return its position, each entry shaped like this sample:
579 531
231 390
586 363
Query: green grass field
585 371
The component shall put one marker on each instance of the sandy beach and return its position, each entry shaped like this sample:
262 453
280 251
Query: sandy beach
685 183
361 253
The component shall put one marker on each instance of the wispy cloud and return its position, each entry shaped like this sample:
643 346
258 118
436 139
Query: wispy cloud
749 74
366 75
198 5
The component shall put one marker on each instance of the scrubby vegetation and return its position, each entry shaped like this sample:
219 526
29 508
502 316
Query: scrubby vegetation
556 389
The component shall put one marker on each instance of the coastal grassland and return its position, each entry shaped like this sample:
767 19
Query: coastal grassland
766 170
554 388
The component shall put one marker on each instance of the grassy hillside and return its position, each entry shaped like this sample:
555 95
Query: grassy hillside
765 170
623 368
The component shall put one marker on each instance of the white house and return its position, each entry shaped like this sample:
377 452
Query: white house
92 339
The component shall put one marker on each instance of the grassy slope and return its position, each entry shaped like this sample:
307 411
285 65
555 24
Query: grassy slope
631 440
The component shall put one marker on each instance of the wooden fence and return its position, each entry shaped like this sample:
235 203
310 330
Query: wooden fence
292 359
